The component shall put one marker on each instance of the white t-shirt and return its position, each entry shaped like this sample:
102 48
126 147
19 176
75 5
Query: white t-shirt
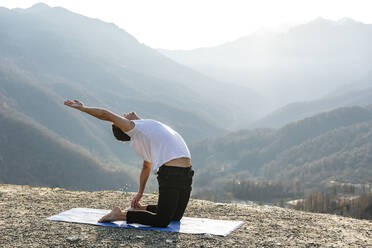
157 143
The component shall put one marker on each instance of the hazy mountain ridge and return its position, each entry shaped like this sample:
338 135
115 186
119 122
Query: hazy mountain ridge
24 93
92 53
361 95
30 154
309 151
306 63
51 54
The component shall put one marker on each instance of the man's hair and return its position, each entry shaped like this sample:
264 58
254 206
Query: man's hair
119 134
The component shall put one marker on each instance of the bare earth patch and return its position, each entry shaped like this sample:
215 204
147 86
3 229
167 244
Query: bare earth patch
23 210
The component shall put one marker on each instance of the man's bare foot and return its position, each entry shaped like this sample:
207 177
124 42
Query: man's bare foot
114 215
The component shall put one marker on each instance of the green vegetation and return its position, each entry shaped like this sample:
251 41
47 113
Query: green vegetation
359 206
335 145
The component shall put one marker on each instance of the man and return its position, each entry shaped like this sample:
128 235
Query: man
165 152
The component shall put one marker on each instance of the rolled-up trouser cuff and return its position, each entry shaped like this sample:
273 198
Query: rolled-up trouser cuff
152 208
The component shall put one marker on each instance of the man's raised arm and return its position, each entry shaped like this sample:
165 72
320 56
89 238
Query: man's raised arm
123 123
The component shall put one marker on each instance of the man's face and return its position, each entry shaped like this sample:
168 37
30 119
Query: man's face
131 116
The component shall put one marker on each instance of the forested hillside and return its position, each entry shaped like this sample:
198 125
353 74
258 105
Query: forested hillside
32 155
335 145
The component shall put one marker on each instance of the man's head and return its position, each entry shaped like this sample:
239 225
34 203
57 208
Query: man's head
119 134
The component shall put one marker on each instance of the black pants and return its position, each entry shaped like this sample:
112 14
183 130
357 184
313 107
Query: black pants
174 193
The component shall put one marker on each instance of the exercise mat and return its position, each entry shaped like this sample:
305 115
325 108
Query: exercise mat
186 225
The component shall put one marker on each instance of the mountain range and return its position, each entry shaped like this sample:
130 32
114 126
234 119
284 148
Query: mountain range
72 55
359 94
331 146
49 54
308 62
31 154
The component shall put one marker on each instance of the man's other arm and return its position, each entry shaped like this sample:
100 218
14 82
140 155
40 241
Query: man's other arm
145 173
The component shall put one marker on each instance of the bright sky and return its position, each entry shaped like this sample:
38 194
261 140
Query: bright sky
187 24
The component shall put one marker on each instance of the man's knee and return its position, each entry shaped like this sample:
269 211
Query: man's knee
176 218
163 221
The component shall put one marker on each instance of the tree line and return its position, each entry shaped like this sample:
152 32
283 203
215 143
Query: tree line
341 199
357 206
253 190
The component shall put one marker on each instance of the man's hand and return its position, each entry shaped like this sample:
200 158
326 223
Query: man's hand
74 104
135 201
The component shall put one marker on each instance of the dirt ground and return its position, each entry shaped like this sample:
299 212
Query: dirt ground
23 210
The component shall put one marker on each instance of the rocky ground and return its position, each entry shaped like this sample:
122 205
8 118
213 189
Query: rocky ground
23 210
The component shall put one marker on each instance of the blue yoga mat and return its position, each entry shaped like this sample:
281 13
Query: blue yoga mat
186 225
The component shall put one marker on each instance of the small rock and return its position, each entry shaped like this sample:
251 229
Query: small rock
139 237
311 244
208 236
169 241
73 238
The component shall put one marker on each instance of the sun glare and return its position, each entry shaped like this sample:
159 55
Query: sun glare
191 24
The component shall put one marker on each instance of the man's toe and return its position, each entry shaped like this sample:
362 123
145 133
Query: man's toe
103 219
